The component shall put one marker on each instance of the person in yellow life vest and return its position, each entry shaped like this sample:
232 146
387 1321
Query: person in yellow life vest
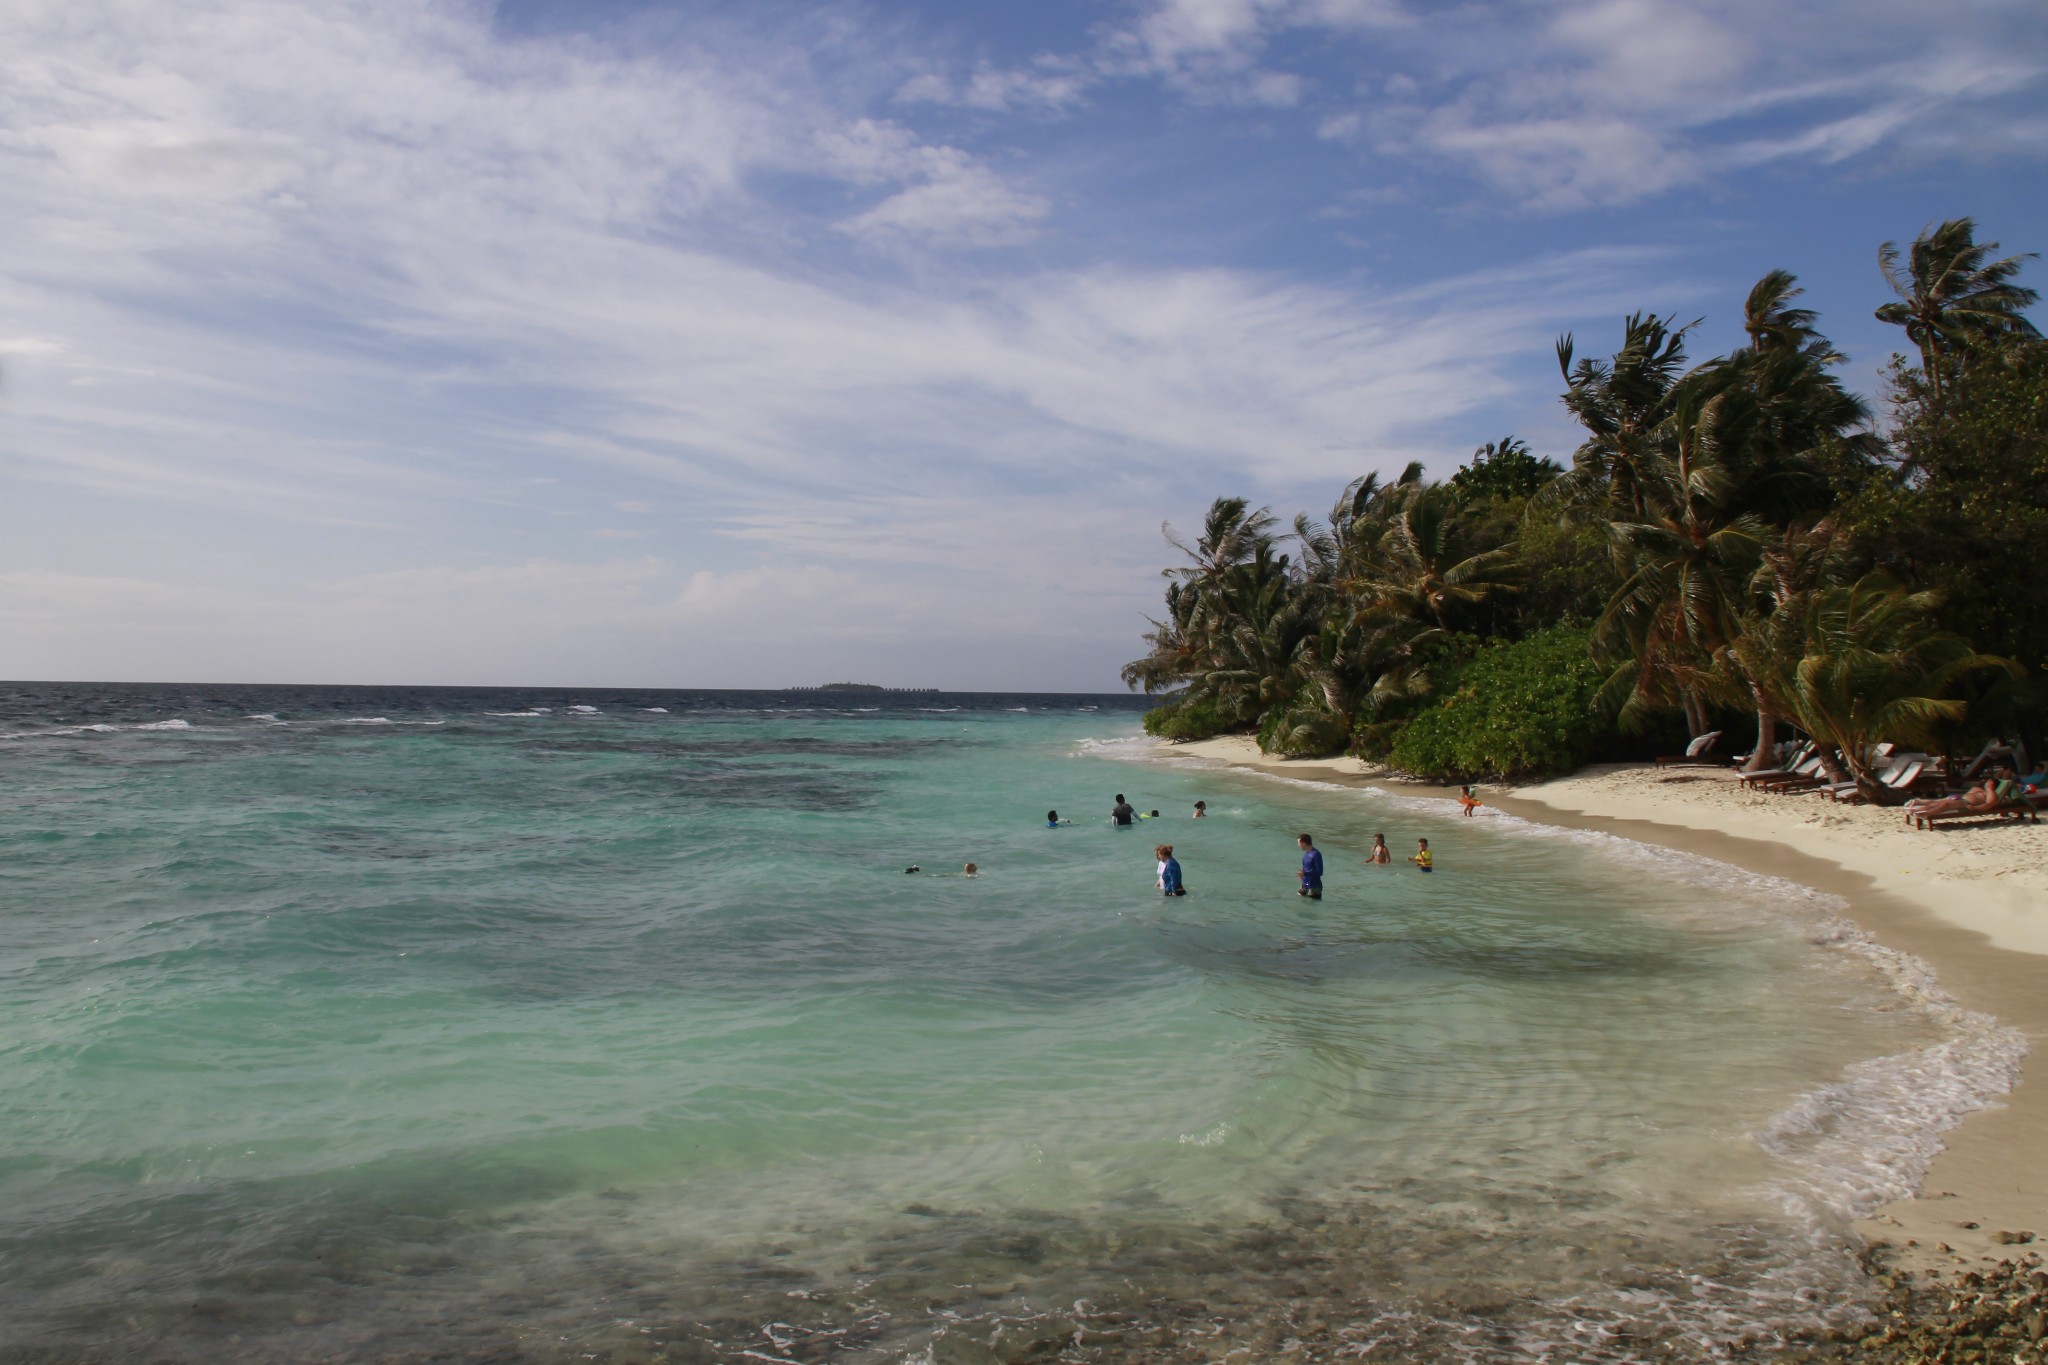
1422 857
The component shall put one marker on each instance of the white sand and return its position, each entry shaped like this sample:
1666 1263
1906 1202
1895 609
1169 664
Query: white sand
1987 877
1969 899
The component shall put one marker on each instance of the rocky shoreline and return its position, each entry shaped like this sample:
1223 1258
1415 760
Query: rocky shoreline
1997 1315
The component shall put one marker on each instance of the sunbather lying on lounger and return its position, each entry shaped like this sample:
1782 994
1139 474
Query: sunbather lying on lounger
1981 797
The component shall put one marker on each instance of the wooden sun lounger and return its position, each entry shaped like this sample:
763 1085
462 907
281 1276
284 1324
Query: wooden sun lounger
1900 778
1795 769
2021 807
1807 774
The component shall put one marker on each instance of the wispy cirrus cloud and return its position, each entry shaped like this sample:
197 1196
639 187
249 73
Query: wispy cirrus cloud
1575 107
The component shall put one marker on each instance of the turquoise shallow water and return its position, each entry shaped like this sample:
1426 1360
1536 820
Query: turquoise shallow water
373 1024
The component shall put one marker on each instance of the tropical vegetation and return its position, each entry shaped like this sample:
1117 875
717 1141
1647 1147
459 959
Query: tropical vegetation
1738 544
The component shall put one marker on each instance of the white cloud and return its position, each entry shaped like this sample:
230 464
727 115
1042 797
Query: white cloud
1607 102
1051 85
1565 163
948 195
961 202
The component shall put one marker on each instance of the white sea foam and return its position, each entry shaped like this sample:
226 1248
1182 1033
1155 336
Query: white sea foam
585 710
1127 749
655 710
263 715
61 731
515 713
165 725
1868 1138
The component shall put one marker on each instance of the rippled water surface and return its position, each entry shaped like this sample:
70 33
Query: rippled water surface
379 1024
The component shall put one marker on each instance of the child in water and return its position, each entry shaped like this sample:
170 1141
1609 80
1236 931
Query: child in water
1169 871
1467 800
1201 810
1380 854
1422 857
1053 821
970 871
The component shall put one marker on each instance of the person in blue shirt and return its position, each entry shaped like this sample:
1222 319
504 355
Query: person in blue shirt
1169 871
1053 821
1311 869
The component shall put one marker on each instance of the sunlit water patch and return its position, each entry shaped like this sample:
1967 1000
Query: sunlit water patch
514 1030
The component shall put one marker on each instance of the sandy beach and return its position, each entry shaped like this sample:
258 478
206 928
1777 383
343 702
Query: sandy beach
1970 900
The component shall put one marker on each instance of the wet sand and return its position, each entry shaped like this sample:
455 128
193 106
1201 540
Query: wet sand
1970 901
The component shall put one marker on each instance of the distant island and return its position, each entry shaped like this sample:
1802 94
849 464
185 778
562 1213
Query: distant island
861 687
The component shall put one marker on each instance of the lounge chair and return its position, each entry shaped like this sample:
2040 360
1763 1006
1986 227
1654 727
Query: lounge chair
1699 753
1792 762
1810 773
2010 799
2019 807
1899 774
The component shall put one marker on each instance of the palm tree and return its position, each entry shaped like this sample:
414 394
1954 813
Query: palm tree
1232 533
1263 622
1624 404
1773 325
1184 645
1876 667
1686 561
1354 664
1758 662
1953 296
1426 563
1806 419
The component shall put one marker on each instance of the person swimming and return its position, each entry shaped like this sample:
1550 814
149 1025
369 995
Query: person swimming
1422 857
1201 810
1380 854
1053 821
970 871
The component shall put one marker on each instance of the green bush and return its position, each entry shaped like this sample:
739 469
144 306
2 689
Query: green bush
1185 718
1304 729
1522 708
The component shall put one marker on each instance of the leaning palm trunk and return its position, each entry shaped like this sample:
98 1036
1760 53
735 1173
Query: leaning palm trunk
1765 752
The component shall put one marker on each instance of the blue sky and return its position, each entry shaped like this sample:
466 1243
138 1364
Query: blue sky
660 344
